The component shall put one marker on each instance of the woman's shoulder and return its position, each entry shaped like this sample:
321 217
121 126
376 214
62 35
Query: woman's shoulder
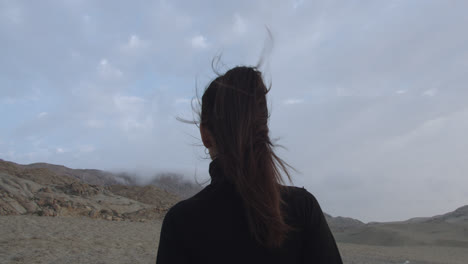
300 200
188 205
299 193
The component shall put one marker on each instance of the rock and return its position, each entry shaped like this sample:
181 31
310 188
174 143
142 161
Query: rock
109 218
56 207
94 214
104 211
77 188
46 212
31 207
17 206
46 189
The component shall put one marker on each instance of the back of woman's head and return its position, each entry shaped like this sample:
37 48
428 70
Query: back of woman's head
234 110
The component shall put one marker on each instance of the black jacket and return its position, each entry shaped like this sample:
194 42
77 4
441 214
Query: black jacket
210 227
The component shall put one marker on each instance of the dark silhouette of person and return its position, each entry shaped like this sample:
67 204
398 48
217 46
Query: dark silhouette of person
246 214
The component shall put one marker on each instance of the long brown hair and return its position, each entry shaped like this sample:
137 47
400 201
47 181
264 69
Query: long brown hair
234 110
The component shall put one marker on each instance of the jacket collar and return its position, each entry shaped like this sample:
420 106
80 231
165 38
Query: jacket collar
216 172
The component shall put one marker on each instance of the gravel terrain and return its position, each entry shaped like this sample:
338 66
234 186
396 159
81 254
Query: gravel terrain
34 239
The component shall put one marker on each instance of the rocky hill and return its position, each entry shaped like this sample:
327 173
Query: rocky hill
175 183
341 224
90 176
56 191
460 215
450 229
51 190
170 182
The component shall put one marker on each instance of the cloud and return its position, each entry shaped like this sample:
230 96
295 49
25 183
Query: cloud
431 92
199 42
42 115
94 123
427 130
239 26
297 3
59 150
11 12
343 92
86 18
107 71
86 148
401 91
133 114
134 44
293 101
182 100
129 104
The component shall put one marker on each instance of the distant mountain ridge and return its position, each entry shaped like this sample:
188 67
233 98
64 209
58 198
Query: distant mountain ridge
460 215
171 182
339 223
55 190
450 229
90 176
123 184
51 190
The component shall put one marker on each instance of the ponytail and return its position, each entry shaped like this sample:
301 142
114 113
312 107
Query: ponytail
234 109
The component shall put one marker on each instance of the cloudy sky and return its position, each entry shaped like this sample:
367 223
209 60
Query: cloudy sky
370 98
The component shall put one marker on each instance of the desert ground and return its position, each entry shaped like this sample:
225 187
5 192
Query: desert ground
39 239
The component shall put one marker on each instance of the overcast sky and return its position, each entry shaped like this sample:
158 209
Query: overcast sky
370 98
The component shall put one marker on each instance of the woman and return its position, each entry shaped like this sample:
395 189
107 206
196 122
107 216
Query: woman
245 215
